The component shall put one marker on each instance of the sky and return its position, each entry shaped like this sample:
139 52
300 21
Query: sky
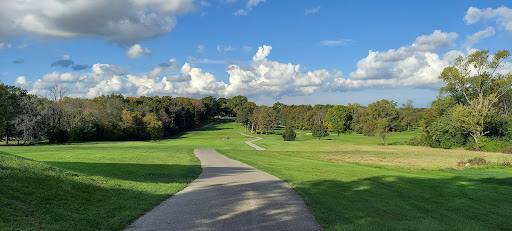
294 52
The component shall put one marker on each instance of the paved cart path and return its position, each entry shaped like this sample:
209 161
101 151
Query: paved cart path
252 144
230 195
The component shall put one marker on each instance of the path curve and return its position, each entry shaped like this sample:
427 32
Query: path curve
250 142
230 195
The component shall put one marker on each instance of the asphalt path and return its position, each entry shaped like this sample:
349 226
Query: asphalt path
230 195
252 144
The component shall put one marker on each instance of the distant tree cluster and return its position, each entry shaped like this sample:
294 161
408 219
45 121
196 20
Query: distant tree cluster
378 119
28 118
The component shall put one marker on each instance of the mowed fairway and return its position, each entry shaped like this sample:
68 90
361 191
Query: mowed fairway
98 185
351 183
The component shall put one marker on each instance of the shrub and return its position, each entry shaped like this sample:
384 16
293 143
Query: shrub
415 141
289 134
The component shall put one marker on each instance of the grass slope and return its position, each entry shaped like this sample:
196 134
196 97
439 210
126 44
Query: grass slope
353 184
98 185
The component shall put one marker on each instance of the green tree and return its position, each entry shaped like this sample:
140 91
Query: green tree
408 117
319 131
10 98
476 84
153 126
244 114
338 119
289 134
266 119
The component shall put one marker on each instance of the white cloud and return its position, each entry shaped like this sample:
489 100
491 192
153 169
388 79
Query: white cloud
21 81
137 50
66 57
253 3
416 65
262 53
240 12
312 10
5 45
476 37
224 49
502 15
120 21
333 43
260 77
194 60
248 7
247 49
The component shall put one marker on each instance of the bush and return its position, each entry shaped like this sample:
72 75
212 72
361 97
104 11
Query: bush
494 144
415 141
358 128
289 134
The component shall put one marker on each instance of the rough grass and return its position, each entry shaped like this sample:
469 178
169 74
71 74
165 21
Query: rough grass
351 183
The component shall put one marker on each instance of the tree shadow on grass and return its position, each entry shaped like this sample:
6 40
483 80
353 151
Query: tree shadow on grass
36 196
149 173
404 203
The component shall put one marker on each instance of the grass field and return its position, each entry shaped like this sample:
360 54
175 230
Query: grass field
350 183
98 185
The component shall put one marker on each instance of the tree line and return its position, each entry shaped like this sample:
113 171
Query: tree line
472 109
29 118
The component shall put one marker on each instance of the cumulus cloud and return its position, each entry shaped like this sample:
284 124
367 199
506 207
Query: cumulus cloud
502 16
120 21
260 77
21 81
137 50
416 65
312 10
262 53
476 37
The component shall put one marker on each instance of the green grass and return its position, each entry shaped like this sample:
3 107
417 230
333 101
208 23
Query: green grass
98 185
351 183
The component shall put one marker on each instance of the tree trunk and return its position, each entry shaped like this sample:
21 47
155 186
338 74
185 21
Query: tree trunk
6 135
475 137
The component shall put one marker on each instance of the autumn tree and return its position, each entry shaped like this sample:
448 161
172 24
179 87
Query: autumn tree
338 119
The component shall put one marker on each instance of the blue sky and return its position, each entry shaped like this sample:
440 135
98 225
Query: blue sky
296 52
